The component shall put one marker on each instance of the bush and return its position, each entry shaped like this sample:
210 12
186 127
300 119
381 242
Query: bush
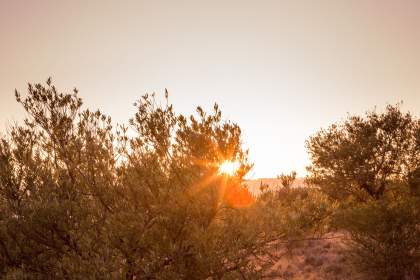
81 199
385 237
298 212
361 157
369 165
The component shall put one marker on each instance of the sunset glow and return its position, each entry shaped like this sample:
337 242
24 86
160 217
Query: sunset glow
279 69
208 139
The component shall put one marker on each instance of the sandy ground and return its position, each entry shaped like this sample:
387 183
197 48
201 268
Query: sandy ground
312 259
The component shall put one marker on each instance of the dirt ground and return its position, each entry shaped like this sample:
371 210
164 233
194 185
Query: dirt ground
312 259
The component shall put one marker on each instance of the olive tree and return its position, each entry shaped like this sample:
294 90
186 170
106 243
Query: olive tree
80 198
364 156
373 162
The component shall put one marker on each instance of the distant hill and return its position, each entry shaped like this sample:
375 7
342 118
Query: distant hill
273 184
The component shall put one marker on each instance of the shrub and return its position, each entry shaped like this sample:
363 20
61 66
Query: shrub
385 237
361 157
369 165
81 199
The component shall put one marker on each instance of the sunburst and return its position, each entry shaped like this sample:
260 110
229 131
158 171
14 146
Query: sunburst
229 167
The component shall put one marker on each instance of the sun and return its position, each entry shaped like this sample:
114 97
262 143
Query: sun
229 167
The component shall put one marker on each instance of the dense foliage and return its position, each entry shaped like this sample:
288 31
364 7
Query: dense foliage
363 156
371 166
83 199
385 236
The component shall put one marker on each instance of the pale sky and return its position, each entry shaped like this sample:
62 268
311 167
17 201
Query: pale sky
280 69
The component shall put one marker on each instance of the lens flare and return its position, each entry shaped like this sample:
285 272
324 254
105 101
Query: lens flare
238 196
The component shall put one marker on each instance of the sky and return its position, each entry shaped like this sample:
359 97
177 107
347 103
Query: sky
280 69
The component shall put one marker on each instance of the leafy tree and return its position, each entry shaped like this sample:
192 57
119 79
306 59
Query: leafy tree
82 199
371 166
362 157
57 186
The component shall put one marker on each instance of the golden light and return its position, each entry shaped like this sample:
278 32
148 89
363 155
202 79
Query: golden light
229 167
